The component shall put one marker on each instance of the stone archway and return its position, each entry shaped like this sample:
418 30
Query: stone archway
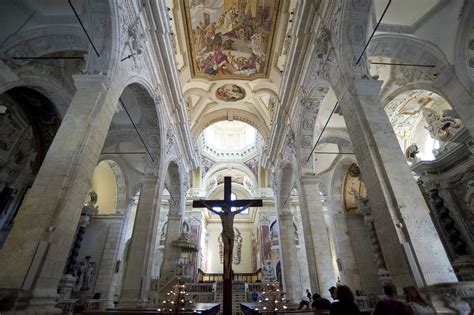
27 128
441 79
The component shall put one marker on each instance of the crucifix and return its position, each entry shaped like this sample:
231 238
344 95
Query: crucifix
227 218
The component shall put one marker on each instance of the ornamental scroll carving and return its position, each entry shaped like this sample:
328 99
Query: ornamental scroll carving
440 127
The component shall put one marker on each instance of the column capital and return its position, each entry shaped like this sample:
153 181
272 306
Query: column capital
309 180
367 87
174 216
90 81
149 179
285 215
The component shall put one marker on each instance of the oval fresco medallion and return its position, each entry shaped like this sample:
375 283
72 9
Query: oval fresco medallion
230 93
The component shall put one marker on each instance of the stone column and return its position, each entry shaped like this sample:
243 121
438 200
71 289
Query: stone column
171 254
410 243
36 251
289 263
137 273
105 283
318 252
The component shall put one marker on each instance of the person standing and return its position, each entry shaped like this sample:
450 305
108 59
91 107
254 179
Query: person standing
345 304
333 292
391 306
320 303
308 294
416 302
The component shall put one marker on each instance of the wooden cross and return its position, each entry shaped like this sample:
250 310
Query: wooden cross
227 217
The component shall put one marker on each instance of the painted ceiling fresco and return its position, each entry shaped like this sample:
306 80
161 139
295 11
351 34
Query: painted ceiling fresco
230 39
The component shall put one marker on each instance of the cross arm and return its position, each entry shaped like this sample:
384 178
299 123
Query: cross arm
209 204
244 204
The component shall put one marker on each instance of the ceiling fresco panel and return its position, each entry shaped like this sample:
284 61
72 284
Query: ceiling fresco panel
230 39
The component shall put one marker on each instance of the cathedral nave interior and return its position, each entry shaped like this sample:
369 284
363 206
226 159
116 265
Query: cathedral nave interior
351 121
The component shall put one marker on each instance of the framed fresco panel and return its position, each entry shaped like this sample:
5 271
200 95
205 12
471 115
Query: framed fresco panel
230 39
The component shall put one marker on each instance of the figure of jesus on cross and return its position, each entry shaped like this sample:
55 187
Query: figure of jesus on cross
227 217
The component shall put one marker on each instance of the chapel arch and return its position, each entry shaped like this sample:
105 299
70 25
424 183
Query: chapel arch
29 121
132 151
108 182
439 77
354 256
422 121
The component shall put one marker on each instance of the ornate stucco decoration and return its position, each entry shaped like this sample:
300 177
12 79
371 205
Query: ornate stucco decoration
440 127
171 140
323 43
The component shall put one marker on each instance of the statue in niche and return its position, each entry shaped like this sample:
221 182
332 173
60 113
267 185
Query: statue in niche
268 271
440 127
411 152
92 199
84 272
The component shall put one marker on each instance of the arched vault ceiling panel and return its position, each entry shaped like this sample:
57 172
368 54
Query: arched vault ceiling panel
231 114
229 39
404 12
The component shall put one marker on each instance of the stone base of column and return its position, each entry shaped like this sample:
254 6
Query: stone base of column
43 303
25 302
464 267
66 285
125 304
452 298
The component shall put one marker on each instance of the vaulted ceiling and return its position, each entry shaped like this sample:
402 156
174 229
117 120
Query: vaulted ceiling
230 56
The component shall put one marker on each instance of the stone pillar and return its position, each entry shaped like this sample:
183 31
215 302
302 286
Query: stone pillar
104 283
36 251
171 254
137 273
318 252
288 254
410 243
347 264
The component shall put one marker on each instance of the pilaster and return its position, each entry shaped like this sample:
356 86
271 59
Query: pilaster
316 239
171 254
137 273
288 254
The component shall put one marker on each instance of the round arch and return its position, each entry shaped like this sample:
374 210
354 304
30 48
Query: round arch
223 115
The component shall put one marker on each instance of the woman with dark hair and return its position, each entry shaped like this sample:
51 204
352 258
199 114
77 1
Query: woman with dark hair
417 302
345 304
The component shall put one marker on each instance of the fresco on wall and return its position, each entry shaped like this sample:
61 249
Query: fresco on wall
230 38
230 93
253 165
206 164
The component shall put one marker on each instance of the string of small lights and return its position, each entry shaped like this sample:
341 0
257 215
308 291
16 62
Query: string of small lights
177 300
272 299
